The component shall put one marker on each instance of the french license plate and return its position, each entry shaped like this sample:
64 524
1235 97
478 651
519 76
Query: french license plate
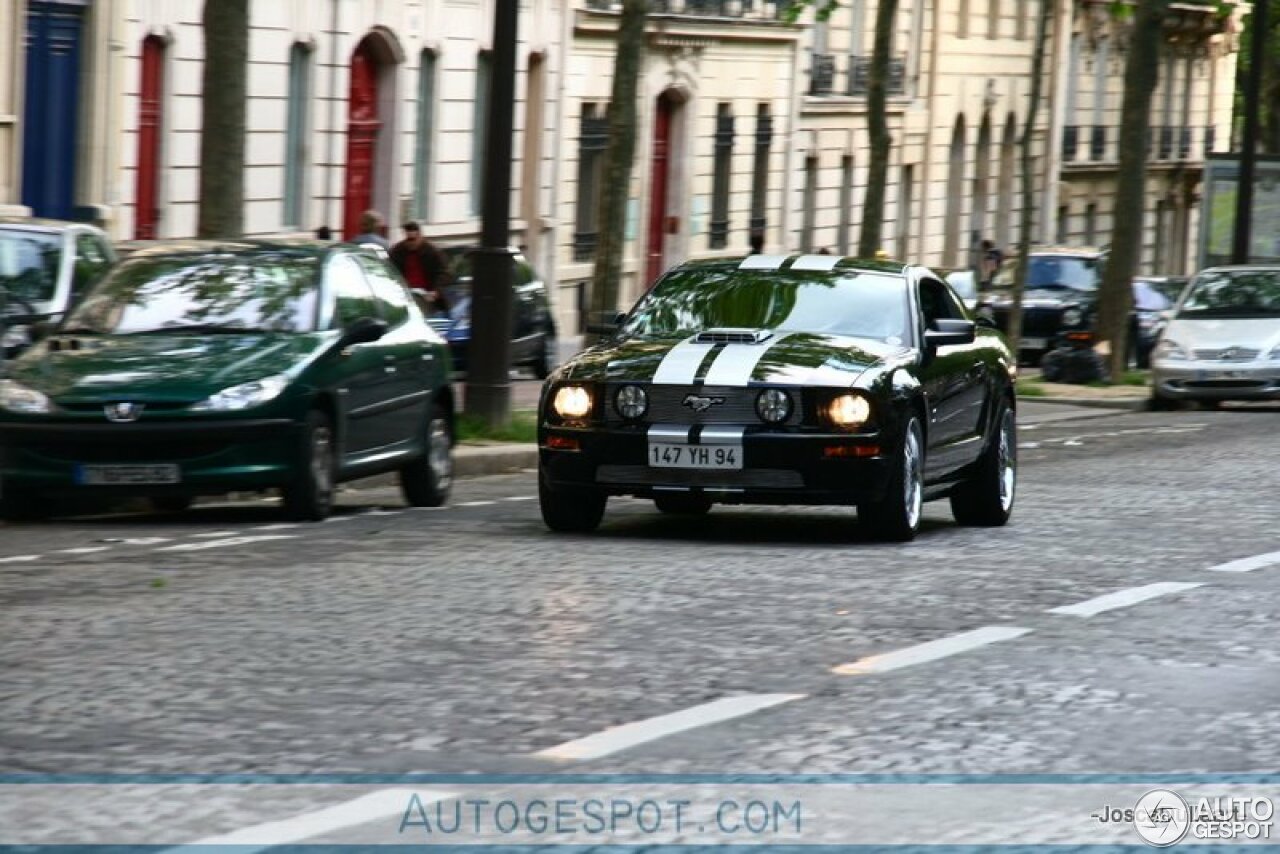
1035 343
1221 375
673 455
127 475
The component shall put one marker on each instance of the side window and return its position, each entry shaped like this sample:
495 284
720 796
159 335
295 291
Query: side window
937 302
388 289
92 262
352 296
524 274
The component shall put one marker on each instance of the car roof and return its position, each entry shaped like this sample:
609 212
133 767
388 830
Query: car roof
302 247
1068 251
1243 268
38 224
798 262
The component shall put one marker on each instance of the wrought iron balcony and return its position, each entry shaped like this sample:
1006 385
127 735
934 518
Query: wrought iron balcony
1070 142
1165 149
760 10
1210 137
1184 143
860 76
1098 142
822 76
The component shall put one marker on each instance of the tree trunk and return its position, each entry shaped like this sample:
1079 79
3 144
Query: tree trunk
1140 76
878 130
1026 221
619 160
222 135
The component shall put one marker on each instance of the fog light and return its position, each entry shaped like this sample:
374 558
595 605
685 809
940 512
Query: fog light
632 402
773 405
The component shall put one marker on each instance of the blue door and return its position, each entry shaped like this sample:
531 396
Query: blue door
52 104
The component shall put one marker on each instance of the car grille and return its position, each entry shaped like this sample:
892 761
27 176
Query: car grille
709 479
1226 354
666 405
1226 384
1036 322
144 451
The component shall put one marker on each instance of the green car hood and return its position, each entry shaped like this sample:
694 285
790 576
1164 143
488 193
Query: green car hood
172 368
785 358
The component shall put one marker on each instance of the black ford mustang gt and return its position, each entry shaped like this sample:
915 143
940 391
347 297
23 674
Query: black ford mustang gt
804 379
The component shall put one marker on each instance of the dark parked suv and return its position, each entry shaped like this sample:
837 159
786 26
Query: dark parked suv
1059 297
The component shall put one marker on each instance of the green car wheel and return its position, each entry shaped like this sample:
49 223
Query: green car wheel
310 497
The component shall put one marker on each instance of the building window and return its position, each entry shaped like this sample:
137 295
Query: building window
297 136
722 177
906 201
593 138
810 203
1162 236
760 170
1025 16
993 19
962 19
1091 224
846 204
955 196
480 128
424 148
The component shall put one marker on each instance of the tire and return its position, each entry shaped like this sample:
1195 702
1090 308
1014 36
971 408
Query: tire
1144 358
172 503
896 517
426 481
21 506
309 498
682 504
1053 366
1159 403
986 499
542 365
571 511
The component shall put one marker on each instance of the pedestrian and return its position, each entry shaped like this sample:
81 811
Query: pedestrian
757 242
371 228
990 262
423 265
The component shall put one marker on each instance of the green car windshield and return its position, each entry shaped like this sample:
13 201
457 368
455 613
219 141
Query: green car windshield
260 292
841 302
1234 294
29 263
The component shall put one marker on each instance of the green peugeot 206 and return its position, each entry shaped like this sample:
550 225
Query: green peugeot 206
201 368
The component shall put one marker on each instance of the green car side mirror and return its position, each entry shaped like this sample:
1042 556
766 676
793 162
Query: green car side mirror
363 331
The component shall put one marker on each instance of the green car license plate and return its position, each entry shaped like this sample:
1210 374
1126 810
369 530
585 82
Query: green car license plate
128 475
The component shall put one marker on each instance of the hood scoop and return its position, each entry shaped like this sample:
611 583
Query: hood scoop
733 336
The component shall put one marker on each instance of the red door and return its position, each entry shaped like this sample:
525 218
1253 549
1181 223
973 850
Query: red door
362 137
150 128
658 190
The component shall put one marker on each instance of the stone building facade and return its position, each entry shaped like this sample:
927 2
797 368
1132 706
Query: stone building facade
749 122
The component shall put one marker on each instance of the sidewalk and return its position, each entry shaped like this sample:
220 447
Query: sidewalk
1131 397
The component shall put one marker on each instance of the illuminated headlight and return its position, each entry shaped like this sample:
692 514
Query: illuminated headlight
572 401
244 396
1072 317
773 405
632 402
849 411
16 336
16 397
1169 351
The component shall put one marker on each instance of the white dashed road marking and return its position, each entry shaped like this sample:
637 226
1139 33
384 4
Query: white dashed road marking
374 806
619 738
213 535
227 543
1248 564
1122 598
521 498
19 559
84 550
931 651
279 526
476 504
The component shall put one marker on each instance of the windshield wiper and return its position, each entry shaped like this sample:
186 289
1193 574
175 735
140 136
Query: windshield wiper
204 328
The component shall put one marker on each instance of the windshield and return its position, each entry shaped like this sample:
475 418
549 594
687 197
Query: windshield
865 305
29 263
1233 293
261 292
1052 271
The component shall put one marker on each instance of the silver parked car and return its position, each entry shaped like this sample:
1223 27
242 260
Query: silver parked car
1223 339
45 265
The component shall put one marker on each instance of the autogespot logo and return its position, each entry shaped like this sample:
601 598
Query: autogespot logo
1162 818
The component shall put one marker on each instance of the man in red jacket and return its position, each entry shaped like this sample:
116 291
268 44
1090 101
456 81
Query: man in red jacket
423 266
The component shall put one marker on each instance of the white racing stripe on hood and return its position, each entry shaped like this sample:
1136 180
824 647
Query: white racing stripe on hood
680 365
735 365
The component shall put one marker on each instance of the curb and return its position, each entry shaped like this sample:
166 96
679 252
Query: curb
469 461
1128 404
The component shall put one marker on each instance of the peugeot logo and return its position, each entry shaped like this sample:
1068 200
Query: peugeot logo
122 413
701 404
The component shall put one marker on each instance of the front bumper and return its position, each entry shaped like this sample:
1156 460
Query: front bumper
777 468
213 456
1191 380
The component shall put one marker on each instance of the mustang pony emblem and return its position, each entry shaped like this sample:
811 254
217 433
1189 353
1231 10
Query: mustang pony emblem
701 404
122 413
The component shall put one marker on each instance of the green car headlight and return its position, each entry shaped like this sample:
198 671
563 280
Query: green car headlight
16 397
243 396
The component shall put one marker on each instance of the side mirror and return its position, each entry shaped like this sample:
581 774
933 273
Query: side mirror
949 332
608 328
985 322
363 331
